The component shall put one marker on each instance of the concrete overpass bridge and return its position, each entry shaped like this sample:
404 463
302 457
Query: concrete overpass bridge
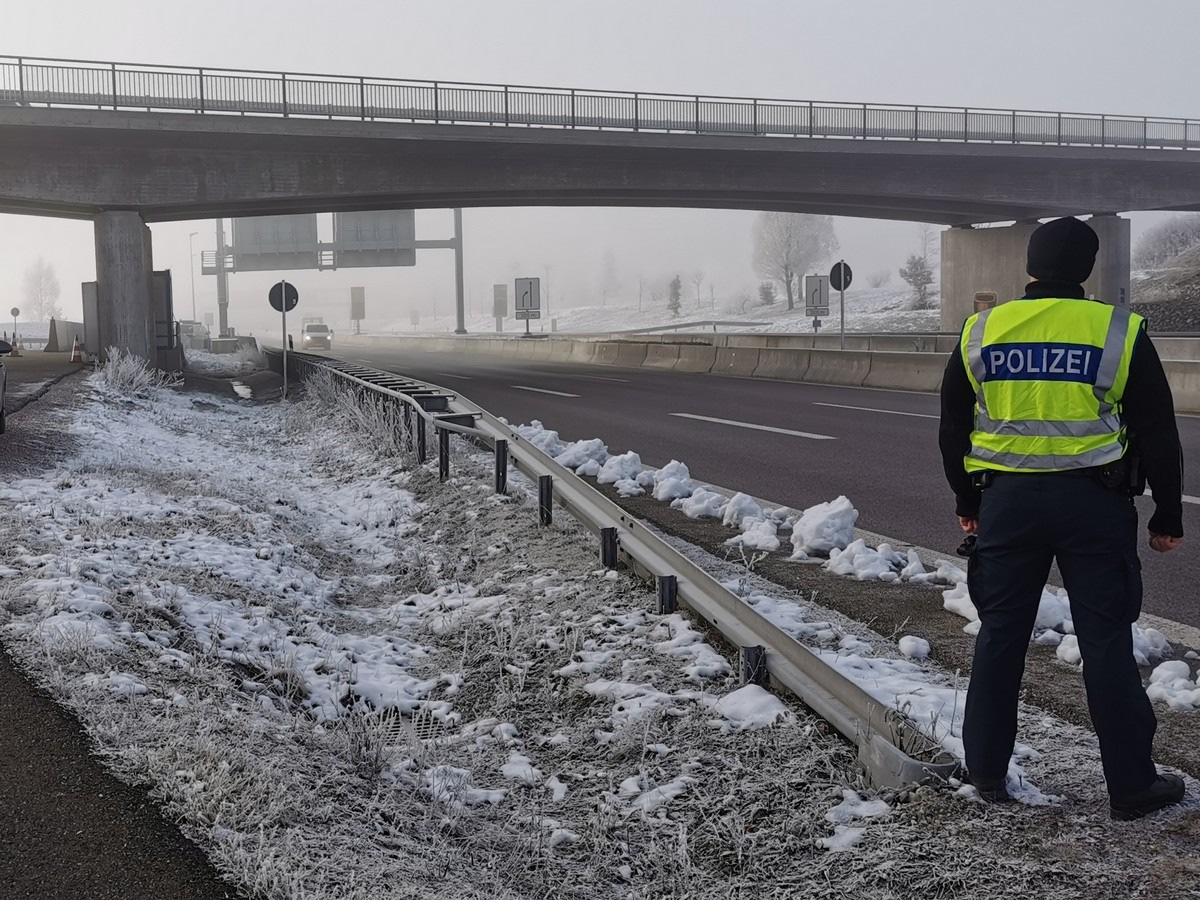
129 144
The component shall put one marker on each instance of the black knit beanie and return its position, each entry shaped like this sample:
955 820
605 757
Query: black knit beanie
1062 250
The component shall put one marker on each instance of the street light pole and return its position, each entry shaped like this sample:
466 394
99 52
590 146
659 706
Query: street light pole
192 271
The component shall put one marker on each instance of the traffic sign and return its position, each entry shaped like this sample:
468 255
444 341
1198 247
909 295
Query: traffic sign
529 293
500 300
840 276
816 295
14 312
283 296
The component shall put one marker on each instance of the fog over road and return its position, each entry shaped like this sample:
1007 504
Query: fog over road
797 444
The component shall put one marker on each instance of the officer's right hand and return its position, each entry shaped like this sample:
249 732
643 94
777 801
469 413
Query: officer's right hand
970 524
1164 543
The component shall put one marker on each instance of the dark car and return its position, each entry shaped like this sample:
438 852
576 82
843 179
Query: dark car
316 336
5 347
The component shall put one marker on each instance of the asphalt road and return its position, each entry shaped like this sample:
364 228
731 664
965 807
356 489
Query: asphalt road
879 448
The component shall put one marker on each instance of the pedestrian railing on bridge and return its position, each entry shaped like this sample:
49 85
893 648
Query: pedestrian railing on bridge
77 83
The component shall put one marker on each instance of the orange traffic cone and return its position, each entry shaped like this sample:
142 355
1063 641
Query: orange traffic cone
77 351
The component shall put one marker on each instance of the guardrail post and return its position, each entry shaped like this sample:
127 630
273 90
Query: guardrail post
501 466
668 594
754 665
697 115
1102 129
437 105
810 119
283 75
1014 126
608 548
362 99
966 126
637 116
506 121
546 499
864 129
1060 128
755 115
422 451
916 123
114 85
1145 132
443 454
201 71
21 78
572 107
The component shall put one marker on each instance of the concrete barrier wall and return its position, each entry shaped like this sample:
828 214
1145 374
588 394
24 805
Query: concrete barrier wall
905 371
630 355
788 365
1177 348
695 358
833 341
582 352
844 367
736 361
900 343
1184 377
560 351
606 353
662 356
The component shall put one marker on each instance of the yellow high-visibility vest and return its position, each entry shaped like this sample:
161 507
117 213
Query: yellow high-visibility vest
1048 376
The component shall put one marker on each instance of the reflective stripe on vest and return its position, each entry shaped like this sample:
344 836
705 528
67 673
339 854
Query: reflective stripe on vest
1044 403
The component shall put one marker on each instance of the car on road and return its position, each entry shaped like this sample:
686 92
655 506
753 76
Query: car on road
316 336
194 335
5 347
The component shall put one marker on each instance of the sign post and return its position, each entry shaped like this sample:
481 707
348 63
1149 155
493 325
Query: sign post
528 300
284 296
499 305
816 298
840 277
15 312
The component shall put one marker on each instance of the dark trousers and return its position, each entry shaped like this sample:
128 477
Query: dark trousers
1026 522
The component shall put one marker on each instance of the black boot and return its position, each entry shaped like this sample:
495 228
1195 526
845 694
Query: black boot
992 790
1165 790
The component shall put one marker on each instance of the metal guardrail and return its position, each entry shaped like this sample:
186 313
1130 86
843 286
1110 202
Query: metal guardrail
884 736
83 83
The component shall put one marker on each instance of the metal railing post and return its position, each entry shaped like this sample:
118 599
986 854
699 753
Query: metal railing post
422 450
283 75
501 467
572 107
1102 130
636 112
966 125
437 105
916 123
668 594
443 454
506 121
21 78
1060 128
1145 132
1014 126
754 665
756 115
114 85
608 548
201 72
810 118
546 499
697 115
362 99
864 124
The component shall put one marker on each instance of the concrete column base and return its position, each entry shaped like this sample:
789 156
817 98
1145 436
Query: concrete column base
993 259
124 285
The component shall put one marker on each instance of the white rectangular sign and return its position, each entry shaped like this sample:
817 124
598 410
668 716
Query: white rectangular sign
528 295
500 300
816 295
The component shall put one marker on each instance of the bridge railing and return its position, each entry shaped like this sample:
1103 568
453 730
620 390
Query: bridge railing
105 85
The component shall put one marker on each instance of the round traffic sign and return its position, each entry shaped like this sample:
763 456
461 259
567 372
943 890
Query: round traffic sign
284 296
840 276
14 312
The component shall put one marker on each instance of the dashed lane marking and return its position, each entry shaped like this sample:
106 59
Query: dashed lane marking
521 387
450 375
890 412
754 427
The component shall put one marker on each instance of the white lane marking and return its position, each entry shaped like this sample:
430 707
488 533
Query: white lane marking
600 378
448 375
1185 497
890 412
521 387
752 426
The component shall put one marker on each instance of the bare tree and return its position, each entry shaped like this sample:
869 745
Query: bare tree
880 278
1166 240
697 279
786 245
41 290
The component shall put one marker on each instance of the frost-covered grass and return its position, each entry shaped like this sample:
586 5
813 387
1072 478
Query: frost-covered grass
124 373
243 361
349 681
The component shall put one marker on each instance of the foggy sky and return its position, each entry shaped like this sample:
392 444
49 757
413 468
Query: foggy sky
1107 56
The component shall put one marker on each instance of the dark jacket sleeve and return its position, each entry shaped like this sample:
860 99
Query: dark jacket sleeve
1150 417
954 435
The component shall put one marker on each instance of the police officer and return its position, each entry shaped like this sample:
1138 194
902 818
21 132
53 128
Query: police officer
1048 405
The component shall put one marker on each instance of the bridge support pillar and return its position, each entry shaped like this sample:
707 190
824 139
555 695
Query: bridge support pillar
124 284
993 259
